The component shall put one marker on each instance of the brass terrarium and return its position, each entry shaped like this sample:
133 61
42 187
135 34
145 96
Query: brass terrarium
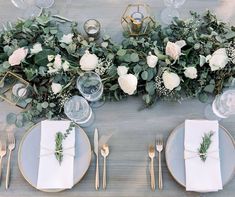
14 89
137 19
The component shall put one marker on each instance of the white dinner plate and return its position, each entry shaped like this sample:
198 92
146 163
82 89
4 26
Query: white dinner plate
29 151
175 155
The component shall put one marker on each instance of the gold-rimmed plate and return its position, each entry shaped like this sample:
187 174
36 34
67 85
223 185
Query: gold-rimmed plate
174 153
29 151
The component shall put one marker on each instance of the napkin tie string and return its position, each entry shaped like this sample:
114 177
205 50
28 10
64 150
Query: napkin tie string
52 152
190 154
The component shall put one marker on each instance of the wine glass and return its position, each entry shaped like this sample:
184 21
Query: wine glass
91 87
78 110
45 3
29 7
223 106
171 10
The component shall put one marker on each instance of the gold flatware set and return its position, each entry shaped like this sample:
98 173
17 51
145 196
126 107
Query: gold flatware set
151 153
10 146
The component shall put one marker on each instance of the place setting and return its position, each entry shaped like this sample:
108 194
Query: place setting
69 85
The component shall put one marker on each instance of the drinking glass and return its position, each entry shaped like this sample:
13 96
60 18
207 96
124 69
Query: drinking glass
29 7
171 10
78 110
223 106
91 87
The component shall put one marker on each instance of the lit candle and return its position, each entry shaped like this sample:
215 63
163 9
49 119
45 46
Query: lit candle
92 28
136 21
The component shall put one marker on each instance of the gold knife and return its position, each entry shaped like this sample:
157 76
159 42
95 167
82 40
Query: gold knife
96 151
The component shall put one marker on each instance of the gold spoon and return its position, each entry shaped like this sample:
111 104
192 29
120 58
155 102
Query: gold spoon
104 153
151 156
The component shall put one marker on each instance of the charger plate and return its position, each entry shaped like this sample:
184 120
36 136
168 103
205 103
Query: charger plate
29 151
174 153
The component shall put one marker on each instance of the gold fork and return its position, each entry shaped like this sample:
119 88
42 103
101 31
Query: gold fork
159 147
151 156
11 147
3 152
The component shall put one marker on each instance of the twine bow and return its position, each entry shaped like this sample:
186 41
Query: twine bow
52 152
190 154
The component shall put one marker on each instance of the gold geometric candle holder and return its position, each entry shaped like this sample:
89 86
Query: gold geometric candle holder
137 19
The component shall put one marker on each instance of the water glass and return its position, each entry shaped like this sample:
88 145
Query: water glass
90 86
78 110
45 3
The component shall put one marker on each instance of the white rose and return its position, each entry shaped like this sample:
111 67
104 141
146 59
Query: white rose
57 62
56 88
174 49
191 72
18 56
170 80
67 39
36 48
65 66
128 83
50 57
152 60
122 70
218 60
88 61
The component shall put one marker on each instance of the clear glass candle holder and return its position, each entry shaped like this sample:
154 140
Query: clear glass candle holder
78 110
92 28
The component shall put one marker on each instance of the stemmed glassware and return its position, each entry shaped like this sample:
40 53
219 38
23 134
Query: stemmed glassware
91 87
45 3
223 106
171 10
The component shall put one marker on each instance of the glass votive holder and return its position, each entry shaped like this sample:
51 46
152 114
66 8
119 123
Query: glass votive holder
78 110
137 21
92 28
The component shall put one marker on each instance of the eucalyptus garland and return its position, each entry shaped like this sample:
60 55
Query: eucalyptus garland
188 58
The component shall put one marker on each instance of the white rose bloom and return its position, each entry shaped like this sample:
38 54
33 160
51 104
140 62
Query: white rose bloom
88 61
18 56
56 88
191 72
57 62
36 48
52 70
65 66
67 39
219 59
170 80
50 57
174 49
152 60
122 70
128 83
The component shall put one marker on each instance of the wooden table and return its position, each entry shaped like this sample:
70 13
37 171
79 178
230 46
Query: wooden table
128 131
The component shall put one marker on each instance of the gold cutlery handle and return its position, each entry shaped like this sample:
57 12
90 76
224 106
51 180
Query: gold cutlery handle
152 175
97 174
160 184
0 169
104 174
8 170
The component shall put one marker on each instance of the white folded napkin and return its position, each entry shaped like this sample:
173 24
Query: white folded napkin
202 176
51 174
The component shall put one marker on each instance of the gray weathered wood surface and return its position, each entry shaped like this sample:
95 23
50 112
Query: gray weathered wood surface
129 131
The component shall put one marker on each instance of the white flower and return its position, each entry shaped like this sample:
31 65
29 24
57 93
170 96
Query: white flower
219 59
170 80
18 56
65 66
104 44
67 39
88 61
52 70
122 70
50 57
36 48
174 49
128 83
57 62
191 72
152 60
56 88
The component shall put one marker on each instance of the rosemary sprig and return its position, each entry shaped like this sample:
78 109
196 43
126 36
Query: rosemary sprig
59 142
205 144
